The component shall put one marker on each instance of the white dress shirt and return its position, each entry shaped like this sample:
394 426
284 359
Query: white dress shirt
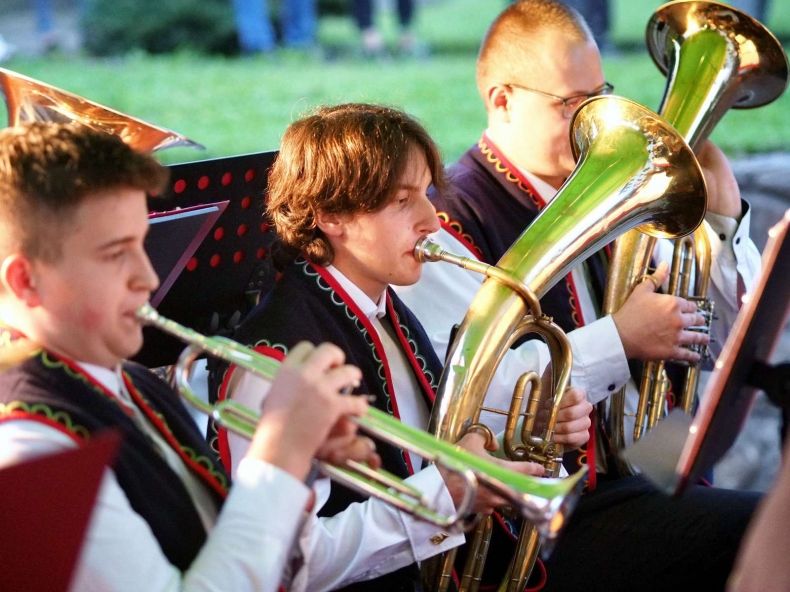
367 539
442 296
247 545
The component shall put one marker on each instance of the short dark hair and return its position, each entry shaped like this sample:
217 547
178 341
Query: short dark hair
48 169
513 38
341 159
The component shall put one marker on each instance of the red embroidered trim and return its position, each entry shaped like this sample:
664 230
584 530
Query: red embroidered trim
223 444
426 386
511 173
164 430
573 301
74 367
455 228
376 343
46 421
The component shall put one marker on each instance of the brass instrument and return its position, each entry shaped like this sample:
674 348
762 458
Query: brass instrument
544 501
715 57
27 99
633 170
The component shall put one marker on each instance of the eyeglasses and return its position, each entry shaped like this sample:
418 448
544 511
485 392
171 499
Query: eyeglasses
569 104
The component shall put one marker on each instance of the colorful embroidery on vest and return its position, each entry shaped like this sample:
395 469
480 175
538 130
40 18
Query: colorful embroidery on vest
455 228
338 301
214 478
62 418
500 167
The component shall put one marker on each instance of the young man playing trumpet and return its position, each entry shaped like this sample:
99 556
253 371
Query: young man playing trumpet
538 62
348 197
73 272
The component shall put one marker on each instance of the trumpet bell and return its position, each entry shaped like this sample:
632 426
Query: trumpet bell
28 99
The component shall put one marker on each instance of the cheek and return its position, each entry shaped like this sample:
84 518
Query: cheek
91 318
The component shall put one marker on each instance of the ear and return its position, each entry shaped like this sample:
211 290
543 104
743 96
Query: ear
498 99
332 225
16 275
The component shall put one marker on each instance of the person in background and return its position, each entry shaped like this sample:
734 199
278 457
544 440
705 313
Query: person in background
371 38
298 22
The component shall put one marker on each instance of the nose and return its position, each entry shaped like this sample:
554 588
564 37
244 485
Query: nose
428 221
144 276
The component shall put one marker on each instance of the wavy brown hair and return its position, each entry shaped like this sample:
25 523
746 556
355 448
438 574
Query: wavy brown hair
48 169
343 159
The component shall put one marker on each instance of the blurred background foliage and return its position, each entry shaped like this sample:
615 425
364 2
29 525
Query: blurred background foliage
183 72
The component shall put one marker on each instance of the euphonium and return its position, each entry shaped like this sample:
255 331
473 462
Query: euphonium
544 501
27 99
633 170
715 57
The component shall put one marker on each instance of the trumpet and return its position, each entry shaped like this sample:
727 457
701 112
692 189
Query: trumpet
545 502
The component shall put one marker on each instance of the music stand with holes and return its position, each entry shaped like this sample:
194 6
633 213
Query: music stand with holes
228 271
47 503
678 450
173 237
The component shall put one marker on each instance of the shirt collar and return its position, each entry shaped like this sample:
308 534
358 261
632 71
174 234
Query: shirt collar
371 309
546 191
108 378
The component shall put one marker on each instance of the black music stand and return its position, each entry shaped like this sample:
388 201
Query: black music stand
678 450
231 268
173 237
47 504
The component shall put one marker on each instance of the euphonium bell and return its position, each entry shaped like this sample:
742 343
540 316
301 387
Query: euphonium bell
27 99
633 170
715 57
546 501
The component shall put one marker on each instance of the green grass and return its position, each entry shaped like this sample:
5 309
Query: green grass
235 105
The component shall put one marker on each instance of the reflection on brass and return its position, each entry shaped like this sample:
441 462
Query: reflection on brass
27 99
536 499
627 176
716 57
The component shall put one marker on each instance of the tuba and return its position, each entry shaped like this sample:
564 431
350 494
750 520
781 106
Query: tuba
715 57
634 170
27 99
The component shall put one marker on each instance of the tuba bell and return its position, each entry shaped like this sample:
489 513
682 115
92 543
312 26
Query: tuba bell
27 99
715 57
633 170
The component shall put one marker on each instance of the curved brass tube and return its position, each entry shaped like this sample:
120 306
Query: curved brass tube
715 58
541 500
633 170
31 100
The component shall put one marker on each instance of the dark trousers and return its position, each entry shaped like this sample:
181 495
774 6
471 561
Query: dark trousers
362 11
627 535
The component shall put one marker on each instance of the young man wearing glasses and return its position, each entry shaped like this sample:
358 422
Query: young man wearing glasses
538 62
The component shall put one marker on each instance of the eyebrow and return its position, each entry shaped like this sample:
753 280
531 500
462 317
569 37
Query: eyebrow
116 243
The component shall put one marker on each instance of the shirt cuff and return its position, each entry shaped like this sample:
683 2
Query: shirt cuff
427 539
599 363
